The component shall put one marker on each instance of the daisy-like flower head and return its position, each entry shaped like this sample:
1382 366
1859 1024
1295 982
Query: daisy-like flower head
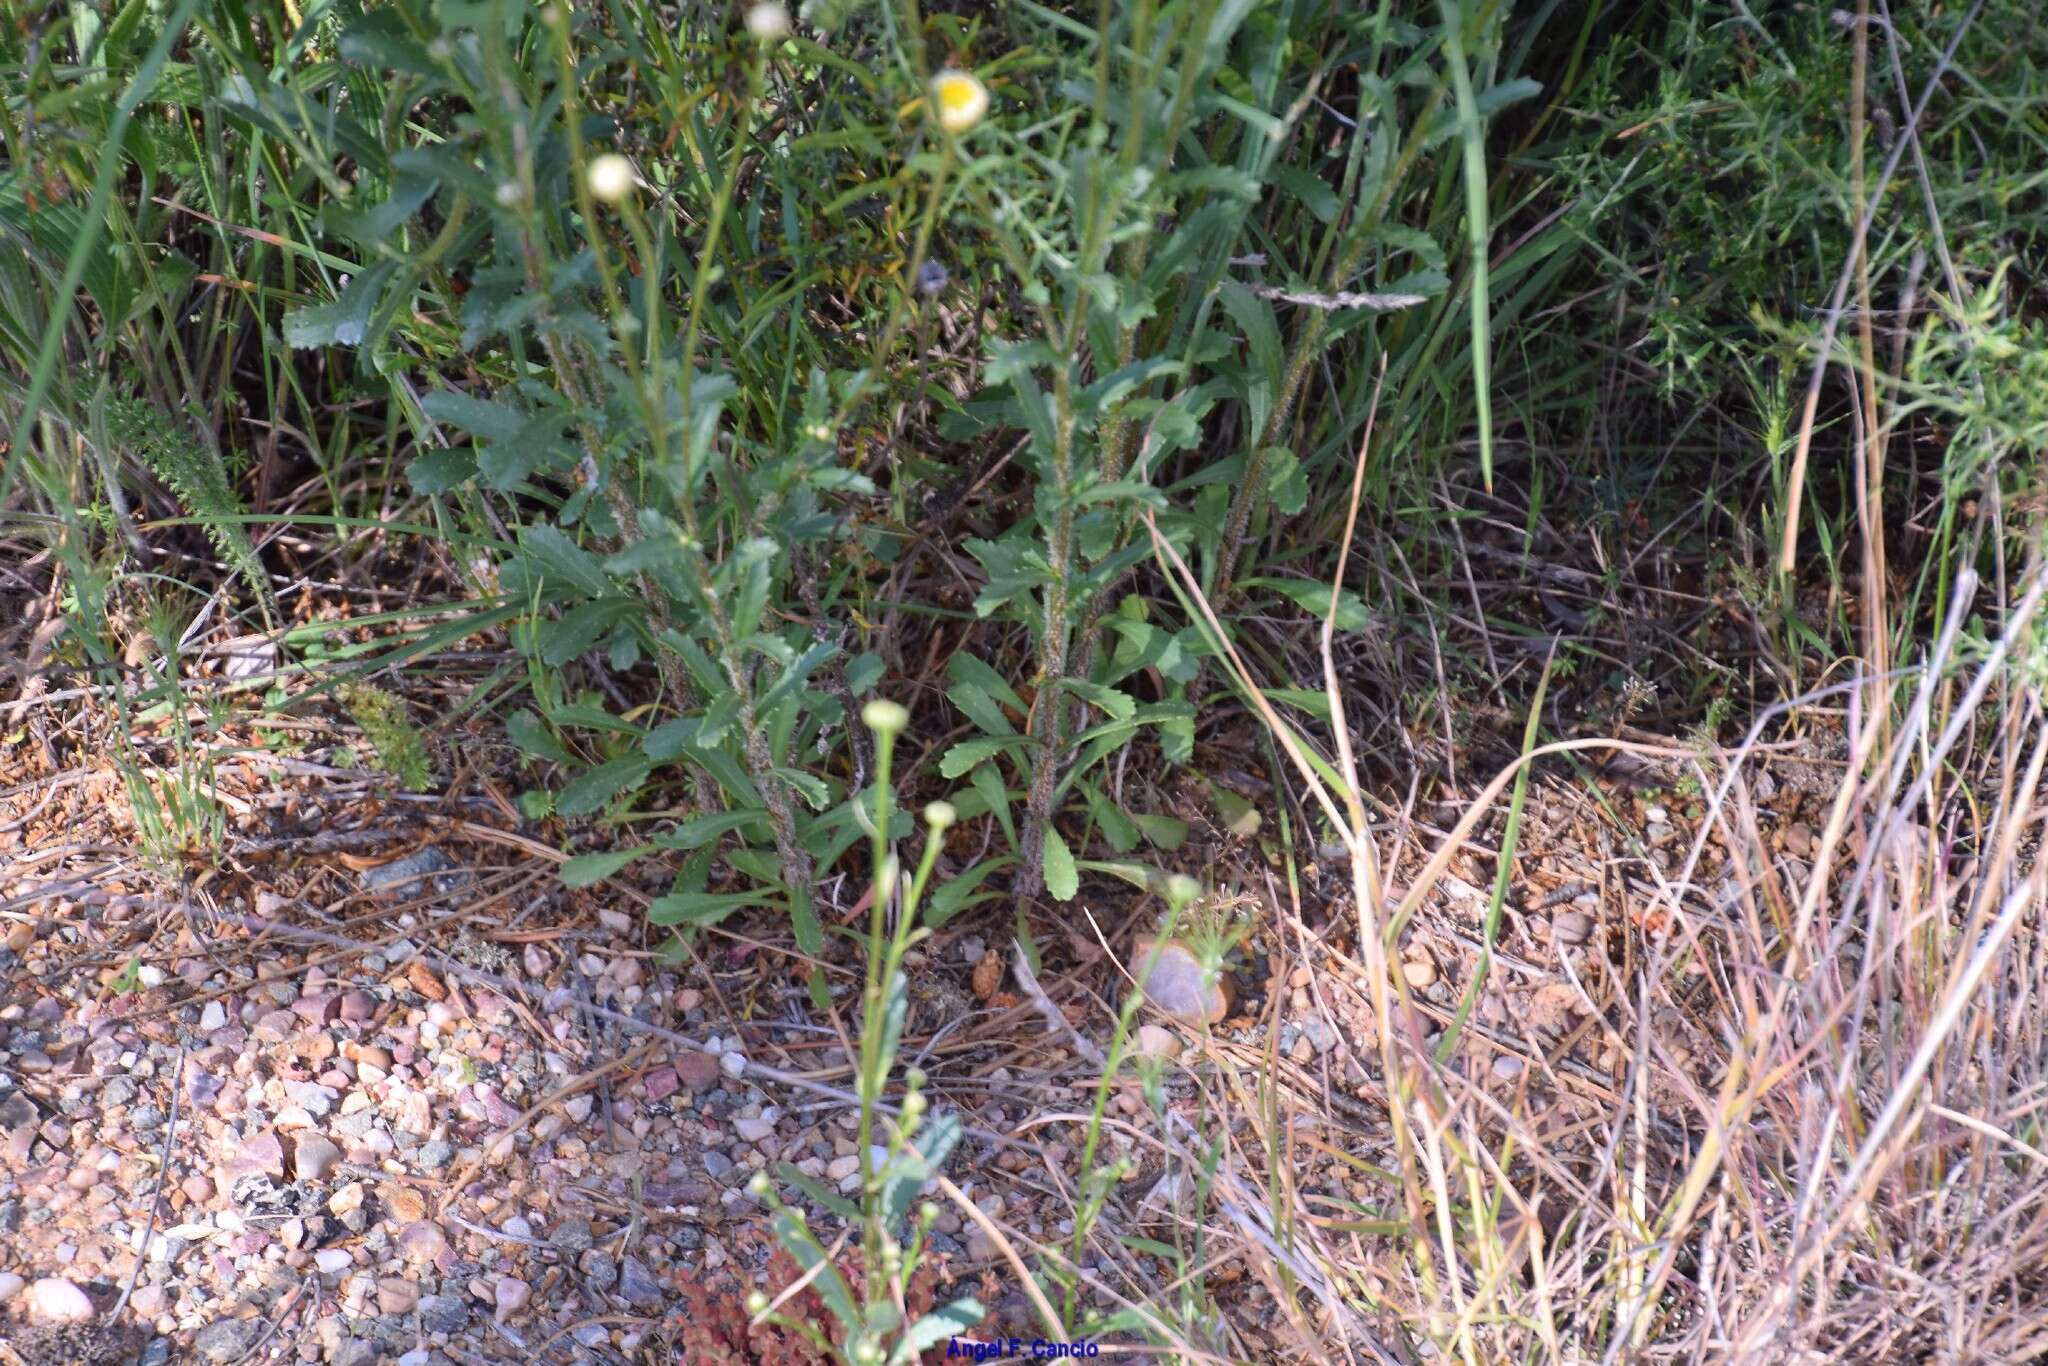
959 99
768 21
611 177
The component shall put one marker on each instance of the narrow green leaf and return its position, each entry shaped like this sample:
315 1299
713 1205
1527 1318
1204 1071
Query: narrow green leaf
702 908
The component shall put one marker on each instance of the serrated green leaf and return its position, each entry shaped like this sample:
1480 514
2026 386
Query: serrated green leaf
1062 878
978 672
1120 706
531 735
863 672
484 417
592 791
965 755
1162 832
1117 828
562 560
586 870
345 321
978 707
442 470
576 630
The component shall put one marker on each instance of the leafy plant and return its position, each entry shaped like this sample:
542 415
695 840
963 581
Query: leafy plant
914 1145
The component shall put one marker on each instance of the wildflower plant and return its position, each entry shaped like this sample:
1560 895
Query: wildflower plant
900 1153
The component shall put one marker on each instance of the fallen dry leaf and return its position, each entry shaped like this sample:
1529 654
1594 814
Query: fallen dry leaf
424 982
988 975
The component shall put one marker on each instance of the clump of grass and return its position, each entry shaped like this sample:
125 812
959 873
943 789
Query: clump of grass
396 745
1820 1131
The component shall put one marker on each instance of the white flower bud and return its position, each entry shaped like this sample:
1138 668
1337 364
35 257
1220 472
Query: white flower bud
612 178
885 716
768 22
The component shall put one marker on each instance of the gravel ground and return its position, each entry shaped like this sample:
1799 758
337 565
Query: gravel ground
381 1094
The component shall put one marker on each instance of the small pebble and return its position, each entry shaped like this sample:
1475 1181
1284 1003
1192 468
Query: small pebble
1176 982
1572 927
638 1285
226 1340
1420 972
56 1300
315 1158
444 1313
511 1295
422 1241
1156 1041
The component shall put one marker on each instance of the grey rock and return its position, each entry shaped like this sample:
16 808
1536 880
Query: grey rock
599 1270
315 1158
443 1313
357 1352
144 1118
435 1154
158 1353
572 1236
716 1163
638 1285
413 876
118 1091
315 1099
226 1340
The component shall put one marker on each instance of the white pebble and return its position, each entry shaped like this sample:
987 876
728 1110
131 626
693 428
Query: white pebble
55 1300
